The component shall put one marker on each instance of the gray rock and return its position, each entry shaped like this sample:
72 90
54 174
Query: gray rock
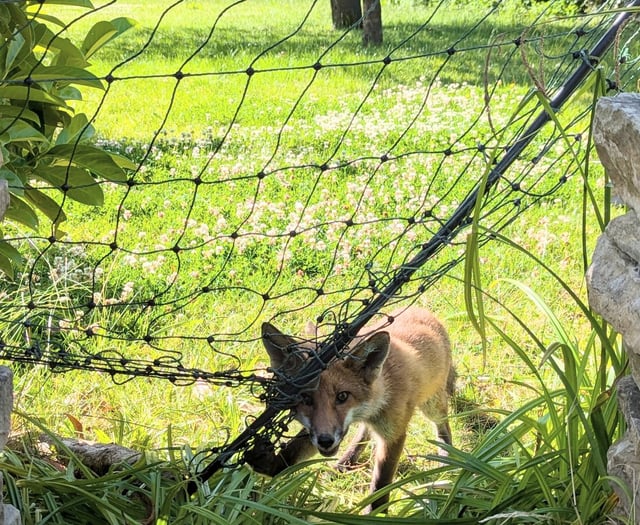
4 196
616 133
6 403
613 279
11 515
623 458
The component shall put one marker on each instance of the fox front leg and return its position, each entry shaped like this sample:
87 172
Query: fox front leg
264 460
350 458
387 457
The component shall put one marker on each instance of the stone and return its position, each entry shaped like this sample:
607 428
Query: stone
9 515
629 401
4 197
623 458
616 134
634 363
613 279
6 404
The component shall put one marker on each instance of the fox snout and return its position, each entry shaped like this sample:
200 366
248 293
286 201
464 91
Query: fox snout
327 444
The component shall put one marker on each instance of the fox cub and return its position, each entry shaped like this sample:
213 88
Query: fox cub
390 369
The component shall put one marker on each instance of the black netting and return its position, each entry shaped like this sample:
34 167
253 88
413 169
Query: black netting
410 161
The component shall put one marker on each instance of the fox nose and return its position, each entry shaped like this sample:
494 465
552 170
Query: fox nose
326 441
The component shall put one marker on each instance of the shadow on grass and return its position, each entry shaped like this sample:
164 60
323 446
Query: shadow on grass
454 52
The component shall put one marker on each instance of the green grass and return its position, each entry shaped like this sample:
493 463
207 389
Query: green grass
541 348
215 62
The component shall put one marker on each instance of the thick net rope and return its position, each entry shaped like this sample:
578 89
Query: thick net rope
309 212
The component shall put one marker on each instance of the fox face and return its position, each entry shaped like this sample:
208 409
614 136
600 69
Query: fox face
344 393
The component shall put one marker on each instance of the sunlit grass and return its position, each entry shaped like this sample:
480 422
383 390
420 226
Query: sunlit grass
288 131
171 38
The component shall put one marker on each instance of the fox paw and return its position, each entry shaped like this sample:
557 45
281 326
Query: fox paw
347 465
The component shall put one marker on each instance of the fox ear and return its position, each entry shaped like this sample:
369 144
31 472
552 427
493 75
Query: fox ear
369 355
310 329
278 345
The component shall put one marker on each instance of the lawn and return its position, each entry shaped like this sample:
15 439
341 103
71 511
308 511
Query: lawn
284 173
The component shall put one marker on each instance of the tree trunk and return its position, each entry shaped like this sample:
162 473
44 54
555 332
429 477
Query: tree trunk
345 13
372 23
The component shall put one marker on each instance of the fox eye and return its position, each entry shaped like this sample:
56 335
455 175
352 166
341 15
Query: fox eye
341 397
306 399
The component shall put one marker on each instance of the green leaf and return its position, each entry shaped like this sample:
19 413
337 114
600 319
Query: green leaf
6 267
98 36
50 208
78 183
96 161
24 94
70 93
75 75
16 186
15 46
21 212
11 253
63 49
15 13
103 32
559 329
19 112
77 130
122 24
122 162
601 439
54 118
49 18
18 130
77 3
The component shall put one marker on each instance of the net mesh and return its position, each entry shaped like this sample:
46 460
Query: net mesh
342 210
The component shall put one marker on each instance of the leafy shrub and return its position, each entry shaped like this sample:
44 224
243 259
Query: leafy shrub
45 154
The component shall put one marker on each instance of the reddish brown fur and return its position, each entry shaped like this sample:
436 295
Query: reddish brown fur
392 369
